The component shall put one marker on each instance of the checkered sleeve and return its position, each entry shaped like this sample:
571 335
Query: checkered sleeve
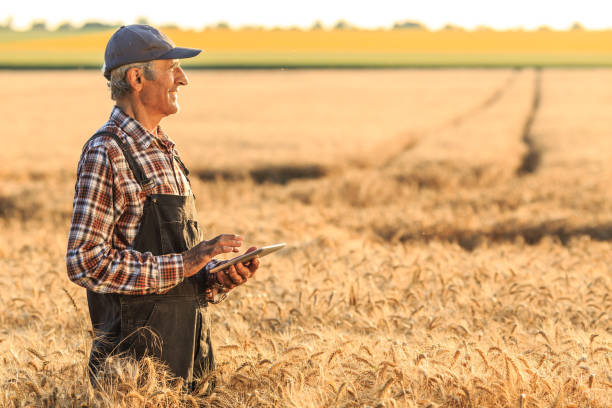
91 259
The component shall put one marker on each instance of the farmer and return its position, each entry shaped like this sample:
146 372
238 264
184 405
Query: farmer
135 243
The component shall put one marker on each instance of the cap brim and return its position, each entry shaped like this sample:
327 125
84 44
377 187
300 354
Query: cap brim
175 53
180 52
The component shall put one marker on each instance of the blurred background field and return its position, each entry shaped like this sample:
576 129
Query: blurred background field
341 47
448 236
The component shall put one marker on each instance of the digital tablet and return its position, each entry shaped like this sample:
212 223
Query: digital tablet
262 251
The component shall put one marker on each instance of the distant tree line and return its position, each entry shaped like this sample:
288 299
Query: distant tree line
41 25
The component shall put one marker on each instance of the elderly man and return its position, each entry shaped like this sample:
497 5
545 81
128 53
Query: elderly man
134 241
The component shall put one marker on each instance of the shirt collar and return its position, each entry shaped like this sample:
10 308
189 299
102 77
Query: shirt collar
137 132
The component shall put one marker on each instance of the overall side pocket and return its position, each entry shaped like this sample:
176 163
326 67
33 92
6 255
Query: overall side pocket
138 336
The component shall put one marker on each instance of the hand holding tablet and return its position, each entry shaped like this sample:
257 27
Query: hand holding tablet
260 252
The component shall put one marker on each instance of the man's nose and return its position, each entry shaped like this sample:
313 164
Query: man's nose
181 77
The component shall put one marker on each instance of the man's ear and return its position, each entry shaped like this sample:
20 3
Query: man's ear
134 78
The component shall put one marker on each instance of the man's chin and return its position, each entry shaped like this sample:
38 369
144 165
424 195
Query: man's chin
173 109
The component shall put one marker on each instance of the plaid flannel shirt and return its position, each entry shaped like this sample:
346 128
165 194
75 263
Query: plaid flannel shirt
108 207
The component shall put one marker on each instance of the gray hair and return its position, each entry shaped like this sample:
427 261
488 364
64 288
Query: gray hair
118 84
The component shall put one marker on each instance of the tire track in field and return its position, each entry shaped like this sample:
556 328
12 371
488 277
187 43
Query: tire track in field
460 118
380 157
488 102
532 158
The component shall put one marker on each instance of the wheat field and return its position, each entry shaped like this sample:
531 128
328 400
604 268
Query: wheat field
448 238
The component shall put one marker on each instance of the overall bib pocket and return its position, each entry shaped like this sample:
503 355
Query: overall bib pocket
179 236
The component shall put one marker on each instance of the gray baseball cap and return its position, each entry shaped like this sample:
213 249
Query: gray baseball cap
140 43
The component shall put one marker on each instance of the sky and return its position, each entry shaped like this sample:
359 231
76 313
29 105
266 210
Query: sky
499 14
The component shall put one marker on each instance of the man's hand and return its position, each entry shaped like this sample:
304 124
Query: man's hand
239 273
198 256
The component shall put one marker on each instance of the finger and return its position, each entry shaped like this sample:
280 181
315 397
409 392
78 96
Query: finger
225 239
227 236
230 243
234 276
230 240
230 237
233 243
249 263
252 269
225 280
254 265
221 249
243 271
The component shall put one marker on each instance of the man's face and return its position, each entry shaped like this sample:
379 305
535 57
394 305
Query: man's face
159 95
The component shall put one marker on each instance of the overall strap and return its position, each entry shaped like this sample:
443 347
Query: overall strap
137 170
180 162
